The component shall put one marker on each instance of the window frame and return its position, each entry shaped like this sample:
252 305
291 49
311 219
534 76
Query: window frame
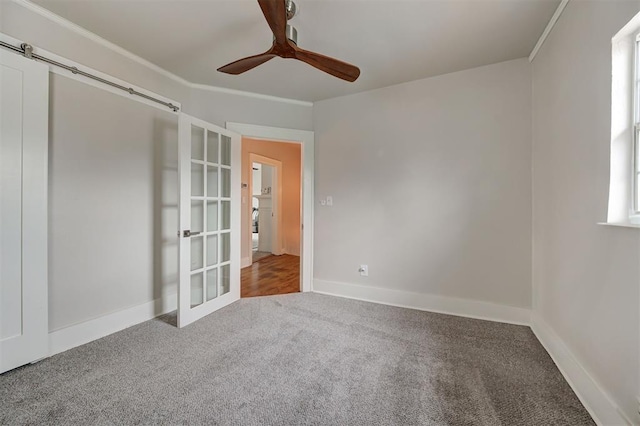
635 154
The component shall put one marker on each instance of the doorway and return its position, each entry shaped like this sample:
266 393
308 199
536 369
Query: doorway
305 138
263 199
271 217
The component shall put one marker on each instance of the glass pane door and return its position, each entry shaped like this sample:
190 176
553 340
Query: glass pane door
210 237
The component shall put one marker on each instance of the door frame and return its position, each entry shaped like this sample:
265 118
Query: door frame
306 139
277 247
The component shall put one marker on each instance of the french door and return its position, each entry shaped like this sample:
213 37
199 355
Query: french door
24 104
209 235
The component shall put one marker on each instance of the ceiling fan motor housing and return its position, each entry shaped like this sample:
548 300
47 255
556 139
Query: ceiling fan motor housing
291 9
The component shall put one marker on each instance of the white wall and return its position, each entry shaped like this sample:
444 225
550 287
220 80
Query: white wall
585 277
113 177
431 186
113 203
256 181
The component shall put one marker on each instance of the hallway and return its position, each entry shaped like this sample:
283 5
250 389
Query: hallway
271 275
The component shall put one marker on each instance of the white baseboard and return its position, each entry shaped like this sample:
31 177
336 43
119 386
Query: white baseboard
425 302
595 399
245 261
79 334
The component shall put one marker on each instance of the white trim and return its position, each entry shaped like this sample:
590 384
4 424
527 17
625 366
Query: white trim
88 331
635 168
547 30
620 224
47 14
305 137
593 396
245 262
425 302
249 94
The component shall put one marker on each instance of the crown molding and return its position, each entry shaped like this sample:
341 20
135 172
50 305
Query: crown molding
65 23
547 30
251 94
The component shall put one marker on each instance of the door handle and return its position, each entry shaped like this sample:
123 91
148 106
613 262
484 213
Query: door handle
188 233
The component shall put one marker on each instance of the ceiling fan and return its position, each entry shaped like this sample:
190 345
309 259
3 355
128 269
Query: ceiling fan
285 37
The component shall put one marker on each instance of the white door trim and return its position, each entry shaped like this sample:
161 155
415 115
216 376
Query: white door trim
277 245
306 139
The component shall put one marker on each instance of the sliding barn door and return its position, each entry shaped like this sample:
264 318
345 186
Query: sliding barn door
209 170
24 103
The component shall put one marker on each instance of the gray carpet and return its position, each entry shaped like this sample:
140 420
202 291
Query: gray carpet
299 359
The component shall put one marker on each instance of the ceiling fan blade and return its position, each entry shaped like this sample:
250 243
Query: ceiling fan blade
245 64
275 13
329 65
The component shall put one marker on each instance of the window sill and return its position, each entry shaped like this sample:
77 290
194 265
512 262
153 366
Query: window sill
621 224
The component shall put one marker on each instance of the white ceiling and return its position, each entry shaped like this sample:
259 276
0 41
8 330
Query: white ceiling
392 41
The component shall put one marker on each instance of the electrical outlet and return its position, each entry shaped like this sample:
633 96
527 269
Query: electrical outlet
329 200
364 270
323 202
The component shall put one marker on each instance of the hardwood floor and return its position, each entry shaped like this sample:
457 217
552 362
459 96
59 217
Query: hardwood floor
257 255
271 275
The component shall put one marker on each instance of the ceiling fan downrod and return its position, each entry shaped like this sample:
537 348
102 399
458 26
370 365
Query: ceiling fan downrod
292 34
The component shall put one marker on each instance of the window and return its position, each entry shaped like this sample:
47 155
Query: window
624 178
